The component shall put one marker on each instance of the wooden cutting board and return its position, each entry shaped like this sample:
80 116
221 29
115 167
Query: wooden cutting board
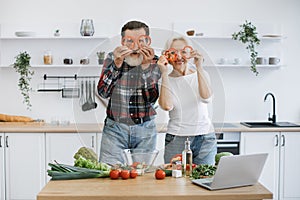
23 123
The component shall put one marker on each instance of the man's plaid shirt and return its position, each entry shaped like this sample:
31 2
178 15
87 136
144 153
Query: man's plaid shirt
131 90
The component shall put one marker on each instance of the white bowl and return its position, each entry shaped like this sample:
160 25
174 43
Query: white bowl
25 33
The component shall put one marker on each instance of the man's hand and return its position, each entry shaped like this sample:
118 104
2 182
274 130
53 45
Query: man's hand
148 54
119 54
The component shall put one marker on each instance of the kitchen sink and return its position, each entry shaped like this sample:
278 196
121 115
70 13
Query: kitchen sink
269 124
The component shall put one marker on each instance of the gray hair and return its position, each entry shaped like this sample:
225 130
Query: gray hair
173 39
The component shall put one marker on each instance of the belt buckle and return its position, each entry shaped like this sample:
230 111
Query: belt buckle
137 120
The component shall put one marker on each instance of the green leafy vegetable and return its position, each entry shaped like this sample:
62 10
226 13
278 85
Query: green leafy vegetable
86 153
203 171
86 163
66 172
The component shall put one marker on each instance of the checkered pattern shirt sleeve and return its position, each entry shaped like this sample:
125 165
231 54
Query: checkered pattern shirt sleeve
132 91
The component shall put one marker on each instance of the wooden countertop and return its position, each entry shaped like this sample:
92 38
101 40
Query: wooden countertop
144 187
21 127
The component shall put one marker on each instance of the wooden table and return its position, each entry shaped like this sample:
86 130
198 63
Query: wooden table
144 187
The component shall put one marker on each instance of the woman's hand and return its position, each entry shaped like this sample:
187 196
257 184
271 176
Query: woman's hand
119 54
163 64
198 58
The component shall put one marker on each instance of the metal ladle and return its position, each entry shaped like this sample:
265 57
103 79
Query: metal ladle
86 106
94 94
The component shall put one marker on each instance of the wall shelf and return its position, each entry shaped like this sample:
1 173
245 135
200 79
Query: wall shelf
236 66
56 38
274 38
57 66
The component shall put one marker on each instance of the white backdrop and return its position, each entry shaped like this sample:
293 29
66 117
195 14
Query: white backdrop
243 93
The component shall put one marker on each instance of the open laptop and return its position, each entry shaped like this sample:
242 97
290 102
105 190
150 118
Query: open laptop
235 171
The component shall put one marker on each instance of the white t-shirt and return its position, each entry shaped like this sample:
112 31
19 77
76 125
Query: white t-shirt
189 116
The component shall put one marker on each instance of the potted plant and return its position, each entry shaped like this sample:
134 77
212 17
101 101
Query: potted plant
248 35
22 66
101 55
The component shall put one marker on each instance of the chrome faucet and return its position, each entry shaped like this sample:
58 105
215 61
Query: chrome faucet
273 118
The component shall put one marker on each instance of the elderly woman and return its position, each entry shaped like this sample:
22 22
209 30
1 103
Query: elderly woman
185 94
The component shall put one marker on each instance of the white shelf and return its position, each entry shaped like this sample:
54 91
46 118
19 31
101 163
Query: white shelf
230 37
57 38
258 66
58 66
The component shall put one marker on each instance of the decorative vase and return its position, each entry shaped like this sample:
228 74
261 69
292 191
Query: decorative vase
87 27
101 55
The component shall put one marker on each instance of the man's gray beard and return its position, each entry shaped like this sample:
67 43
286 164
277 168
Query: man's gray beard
134 61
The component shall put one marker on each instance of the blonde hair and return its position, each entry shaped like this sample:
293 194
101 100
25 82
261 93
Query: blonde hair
173 39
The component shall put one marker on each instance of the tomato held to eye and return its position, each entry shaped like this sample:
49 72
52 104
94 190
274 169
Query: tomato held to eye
125 174
114 174
160 174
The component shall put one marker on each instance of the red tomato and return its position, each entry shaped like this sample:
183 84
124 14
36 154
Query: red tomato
114 174
188 166
133 173
135 164
125 174
160 174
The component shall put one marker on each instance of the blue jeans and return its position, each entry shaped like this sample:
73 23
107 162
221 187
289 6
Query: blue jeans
204 147
118 136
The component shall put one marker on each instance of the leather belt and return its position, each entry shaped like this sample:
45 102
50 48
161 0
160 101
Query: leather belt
131 121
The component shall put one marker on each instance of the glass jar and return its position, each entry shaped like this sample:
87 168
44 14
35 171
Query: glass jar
87 27
48 60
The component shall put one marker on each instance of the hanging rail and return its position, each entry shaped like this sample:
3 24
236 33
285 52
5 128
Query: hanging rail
75 77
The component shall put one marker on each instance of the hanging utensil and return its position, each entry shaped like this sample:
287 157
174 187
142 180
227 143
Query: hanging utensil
82 98
94 94
86 105
90 100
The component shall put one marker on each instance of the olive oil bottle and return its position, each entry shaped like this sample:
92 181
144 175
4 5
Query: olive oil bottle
187 159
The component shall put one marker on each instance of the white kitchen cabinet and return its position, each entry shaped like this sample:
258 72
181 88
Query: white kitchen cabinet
290 161
22 165
2 172
280 174
62 146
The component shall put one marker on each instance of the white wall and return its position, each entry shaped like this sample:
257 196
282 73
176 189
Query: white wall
243 91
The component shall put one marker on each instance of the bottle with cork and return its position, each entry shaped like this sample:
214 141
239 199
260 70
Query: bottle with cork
187 159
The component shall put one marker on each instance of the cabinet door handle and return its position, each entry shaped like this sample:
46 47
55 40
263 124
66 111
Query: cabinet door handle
6 141
282 140
93 141
276 141
0 141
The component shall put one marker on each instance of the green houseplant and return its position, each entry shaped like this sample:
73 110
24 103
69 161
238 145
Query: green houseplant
248 35
22 66
101 55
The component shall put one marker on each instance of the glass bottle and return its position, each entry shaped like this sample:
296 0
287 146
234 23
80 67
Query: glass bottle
187 159
87 27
